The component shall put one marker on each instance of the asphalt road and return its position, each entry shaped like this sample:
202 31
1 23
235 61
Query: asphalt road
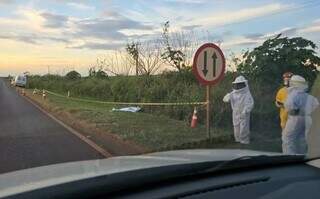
29 138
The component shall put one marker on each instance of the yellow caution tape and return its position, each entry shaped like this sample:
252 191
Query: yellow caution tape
130 103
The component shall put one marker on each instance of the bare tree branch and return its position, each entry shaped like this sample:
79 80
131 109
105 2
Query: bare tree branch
116 63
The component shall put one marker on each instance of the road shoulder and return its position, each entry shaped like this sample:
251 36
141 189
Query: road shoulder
105 143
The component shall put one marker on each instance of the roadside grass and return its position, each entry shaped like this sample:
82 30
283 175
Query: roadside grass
161 128
155 132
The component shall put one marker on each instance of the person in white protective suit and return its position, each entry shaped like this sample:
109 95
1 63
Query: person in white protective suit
241 104
299 105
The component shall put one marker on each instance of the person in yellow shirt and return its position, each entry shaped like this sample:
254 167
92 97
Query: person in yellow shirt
281 98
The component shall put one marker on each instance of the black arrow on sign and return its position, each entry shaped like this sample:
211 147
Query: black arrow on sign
214 59
205 70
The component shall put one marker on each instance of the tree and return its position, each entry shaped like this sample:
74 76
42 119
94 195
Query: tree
114 64
92 71
278 55
179 46
147 57
99 73
234 61
133 51
150 57
73 75
172 56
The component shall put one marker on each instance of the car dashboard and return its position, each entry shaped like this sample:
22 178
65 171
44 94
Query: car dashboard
294 180
287 181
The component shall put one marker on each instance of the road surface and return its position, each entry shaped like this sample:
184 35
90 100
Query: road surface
29 138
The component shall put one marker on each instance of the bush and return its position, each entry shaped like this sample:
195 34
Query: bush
73 75
278 55
169 87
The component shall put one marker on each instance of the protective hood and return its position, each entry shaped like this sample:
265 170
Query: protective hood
298 82
240 79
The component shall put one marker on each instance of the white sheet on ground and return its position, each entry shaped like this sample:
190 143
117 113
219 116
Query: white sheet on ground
132 109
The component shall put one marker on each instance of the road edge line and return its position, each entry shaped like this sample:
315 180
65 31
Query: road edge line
96 147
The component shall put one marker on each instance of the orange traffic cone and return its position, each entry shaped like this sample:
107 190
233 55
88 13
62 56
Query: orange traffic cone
194 119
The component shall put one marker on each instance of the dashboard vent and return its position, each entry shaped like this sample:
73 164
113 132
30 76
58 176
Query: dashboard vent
225 186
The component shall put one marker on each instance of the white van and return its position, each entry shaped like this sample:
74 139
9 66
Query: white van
20 80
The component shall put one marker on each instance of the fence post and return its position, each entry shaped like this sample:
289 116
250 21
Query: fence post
44 96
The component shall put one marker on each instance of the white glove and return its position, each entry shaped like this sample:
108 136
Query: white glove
226 98
245 111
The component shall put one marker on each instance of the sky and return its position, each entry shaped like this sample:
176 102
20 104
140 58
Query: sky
57 36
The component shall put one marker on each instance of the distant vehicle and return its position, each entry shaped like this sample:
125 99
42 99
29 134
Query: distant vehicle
20 80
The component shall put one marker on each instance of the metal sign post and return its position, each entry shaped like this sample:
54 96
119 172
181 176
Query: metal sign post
208 112
209 67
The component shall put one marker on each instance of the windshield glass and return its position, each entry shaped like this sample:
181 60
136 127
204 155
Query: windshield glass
86 80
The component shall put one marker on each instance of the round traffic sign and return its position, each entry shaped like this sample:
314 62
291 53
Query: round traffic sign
209 64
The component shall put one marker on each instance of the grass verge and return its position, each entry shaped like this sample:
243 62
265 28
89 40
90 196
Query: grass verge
149 131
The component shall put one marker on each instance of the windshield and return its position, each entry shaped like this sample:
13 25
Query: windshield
100 79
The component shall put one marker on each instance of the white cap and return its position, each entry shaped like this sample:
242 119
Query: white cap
239 79
297 81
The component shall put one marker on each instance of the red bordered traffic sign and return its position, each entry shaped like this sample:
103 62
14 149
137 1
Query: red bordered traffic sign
209 64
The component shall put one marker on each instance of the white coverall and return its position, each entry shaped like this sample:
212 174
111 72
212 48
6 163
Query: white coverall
241 104
294 136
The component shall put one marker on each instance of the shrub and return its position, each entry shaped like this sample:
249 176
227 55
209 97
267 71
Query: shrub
169 87
73 75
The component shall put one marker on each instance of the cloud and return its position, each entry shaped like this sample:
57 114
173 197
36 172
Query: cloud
241 41
229 17
32 38
6 2
288 31
109 27
109 14
33 27
68 1
253 35
186 1
312 28
80 6
54 20
98 46
191 27
25 39
258 38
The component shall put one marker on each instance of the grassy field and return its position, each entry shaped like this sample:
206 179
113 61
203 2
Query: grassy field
156 132
171 87
162 128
